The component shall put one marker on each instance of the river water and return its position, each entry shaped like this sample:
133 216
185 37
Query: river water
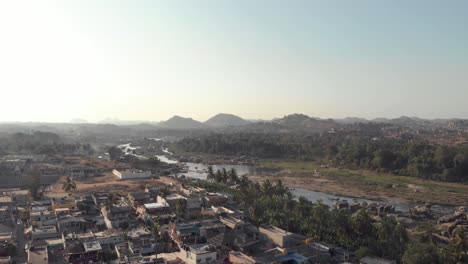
199 171
329 199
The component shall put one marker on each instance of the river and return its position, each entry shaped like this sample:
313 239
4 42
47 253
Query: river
199 171
329 199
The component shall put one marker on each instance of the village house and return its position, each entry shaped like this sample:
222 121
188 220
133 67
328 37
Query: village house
241 234
4 213
279 237
236 257
139 198
142 242
194 204
49 173
41 216
171 199
154 209
64 202
225 211
82 172
185 233
100 198
198 254
44 232
108 238
5 240
87 205
215 199
20 197
150 212
117 215
81 253
195 232
38 254
73 224
13 171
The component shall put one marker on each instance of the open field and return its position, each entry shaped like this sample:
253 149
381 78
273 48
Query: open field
110 183
367 184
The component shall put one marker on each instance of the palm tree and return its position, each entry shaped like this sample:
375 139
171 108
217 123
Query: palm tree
180 208
218 176
69 185
211 174
233 175
225 175
267 187
144 186
427 232
164 192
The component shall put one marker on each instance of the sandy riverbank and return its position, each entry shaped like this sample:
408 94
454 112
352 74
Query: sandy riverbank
326 186
418 191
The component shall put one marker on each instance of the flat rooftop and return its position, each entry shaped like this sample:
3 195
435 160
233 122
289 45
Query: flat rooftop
242 257
38 256
45 229
200 249
156 205
92 246
276 230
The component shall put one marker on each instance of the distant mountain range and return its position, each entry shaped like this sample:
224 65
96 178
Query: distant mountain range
229 122
115 121
301 122
178 122
226 120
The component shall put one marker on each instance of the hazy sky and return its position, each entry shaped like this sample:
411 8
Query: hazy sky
149 60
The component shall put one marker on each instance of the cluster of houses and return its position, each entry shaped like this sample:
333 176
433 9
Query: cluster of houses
160 224
157 225
16 171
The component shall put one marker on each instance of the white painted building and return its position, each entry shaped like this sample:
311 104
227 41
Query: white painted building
131 174
198 254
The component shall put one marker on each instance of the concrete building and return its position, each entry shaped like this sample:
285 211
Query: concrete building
117 215
73 224
82 172
132 174
14 172
44 232
154 209
215 199
236 257
139 198
87 252
279 237
50 174
109 237
198 254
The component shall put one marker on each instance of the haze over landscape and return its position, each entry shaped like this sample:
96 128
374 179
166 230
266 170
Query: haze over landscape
150 60
233 132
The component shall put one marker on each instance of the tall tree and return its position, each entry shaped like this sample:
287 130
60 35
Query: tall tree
69 185
421 253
